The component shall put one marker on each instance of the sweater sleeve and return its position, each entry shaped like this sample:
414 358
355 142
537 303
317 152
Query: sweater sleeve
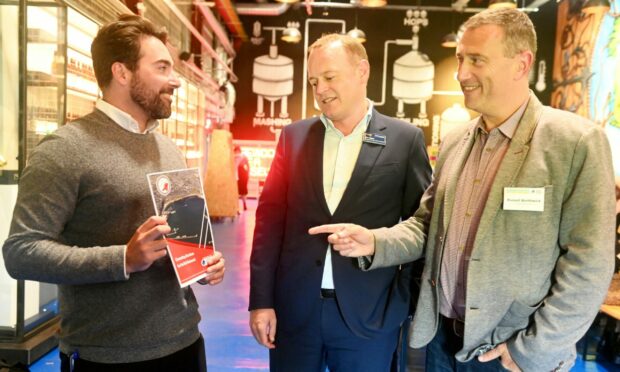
49 191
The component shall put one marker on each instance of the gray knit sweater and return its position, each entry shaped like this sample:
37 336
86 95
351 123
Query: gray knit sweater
81 197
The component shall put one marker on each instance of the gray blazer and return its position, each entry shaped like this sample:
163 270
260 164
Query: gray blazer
536 279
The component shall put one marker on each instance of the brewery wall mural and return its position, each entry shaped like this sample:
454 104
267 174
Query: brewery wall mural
412 76
272 79
586 74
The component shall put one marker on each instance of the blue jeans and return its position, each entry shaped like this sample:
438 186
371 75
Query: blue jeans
441 350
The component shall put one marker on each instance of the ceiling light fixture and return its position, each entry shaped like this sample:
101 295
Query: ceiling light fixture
358 34
449 40
497 4
373 3
291 33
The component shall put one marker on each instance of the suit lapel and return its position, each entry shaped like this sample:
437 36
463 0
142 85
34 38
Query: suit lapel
511 164
454 172
313 155
366 160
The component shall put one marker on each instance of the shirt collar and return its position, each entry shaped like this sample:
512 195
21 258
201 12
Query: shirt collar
508 127
123 119
359 128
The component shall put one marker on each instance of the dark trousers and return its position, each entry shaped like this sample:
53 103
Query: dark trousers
190 359
447 342
328 342
399 360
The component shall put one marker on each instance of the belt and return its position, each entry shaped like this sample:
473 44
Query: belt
328 293
453 326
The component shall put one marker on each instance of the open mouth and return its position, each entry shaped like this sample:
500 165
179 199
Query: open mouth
469 88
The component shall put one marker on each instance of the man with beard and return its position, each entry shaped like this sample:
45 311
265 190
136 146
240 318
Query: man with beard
83 218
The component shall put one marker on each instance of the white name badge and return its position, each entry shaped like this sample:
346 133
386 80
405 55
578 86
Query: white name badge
524 199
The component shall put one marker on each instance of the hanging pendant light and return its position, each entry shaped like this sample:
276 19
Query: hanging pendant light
374 3
497 4
358 34
449 40
291 34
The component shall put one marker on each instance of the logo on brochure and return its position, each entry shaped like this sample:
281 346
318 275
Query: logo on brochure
163 185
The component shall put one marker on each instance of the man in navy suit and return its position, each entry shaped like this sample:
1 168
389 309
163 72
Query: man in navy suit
311 308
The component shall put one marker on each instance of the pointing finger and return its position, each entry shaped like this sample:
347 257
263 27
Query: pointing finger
323 229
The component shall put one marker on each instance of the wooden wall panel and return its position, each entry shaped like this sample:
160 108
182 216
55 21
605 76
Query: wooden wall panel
220 182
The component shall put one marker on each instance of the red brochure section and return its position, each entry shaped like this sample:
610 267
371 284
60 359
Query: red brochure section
190 260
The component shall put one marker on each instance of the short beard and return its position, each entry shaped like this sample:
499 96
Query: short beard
150 101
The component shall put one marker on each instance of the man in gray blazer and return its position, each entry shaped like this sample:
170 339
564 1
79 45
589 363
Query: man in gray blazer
519 259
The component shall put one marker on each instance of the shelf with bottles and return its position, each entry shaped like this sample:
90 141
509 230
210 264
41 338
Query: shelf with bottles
82 88
41 79
184 126
44 74
181 100
41 36
78 104
81 31
180 136
192 104
81 76
43 65
80 65
42 112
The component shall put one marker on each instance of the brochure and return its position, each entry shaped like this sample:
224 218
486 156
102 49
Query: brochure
178 195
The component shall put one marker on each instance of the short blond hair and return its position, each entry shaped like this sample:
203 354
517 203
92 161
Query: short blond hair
352 46
519 32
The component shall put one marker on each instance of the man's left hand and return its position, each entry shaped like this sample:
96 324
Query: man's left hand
500 351
215 271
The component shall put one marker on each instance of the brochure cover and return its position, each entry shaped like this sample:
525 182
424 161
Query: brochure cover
178 195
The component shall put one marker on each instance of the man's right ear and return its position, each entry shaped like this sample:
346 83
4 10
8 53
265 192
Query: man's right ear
120 73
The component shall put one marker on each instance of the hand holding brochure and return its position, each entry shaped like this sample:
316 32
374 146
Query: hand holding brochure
178 195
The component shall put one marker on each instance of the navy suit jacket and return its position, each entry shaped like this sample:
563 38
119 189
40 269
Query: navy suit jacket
287 263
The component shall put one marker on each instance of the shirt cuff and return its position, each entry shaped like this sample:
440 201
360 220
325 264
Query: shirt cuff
125 262
364 262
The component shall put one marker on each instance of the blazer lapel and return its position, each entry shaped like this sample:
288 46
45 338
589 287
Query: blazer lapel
366 160
313 155
511 164
454 171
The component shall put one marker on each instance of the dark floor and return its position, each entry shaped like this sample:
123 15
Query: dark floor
229 343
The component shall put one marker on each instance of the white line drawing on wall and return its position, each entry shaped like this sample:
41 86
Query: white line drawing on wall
304 95
542 73
272 77
413 72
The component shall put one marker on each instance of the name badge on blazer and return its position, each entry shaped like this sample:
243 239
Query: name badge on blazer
531 199
377 139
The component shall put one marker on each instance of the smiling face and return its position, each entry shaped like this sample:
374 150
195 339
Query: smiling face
338 82
493 85
153 82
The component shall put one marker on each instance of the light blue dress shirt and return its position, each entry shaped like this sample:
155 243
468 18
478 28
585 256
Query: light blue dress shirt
340 154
